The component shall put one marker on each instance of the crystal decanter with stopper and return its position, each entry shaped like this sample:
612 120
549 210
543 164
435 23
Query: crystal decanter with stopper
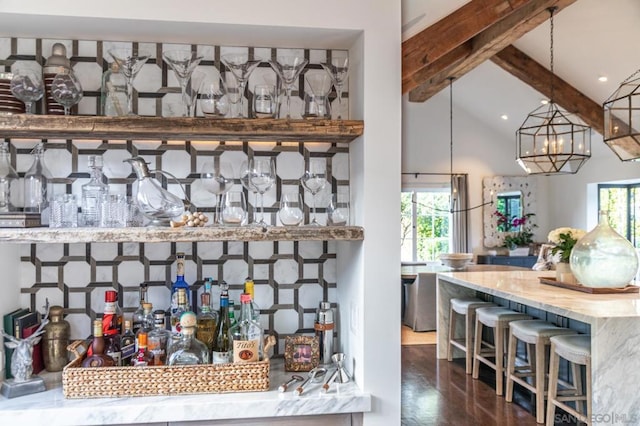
154 202
93 191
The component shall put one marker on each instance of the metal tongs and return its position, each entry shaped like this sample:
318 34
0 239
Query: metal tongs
315 375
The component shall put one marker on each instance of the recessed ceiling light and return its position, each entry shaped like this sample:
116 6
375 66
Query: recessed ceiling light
504 116
544 101
602 78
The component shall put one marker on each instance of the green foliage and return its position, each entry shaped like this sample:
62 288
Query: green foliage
564 246
521 238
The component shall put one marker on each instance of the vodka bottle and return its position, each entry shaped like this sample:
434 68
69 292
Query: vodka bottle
181 307
179 283
246 335
92 192
249 289
188 350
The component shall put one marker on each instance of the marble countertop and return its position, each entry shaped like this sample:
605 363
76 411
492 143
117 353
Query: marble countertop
51 407
525 287
411 271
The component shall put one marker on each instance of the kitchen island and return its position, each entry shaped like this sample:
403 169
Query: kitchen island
614 320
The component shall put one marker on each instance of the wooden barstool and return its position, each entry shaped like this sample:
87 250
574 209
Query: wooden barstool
467 308
577 350
497 319
536 334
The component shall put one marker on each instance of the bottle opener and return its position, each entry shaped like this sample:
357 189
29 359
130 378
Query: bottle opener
295 378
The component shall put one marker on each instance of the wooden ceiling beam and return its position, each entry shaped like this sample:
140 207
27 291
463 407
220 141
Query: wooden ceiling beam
520 65
455 57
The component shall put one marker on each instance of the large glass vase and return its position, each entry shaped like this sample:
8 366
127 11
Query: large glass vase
603 258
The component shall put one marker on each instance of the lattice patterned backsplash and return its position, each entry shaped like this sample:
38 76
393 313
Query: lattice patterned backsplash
291 277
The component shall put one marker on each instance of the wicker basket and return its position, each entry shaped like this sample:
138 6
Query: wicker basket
78 382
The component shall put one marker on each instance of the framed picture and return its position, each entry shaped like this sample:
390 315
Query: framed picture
301 353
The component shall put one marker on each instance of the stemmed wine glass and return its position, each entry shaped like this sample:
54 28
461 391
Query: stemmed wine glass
314 180
241 65
66 90
338 69
245 180
27 86
288 69
130 65
262 176
217 178
183 62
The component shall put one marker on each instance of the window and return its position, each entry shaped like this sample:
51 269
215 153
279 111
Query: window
622 201
425 224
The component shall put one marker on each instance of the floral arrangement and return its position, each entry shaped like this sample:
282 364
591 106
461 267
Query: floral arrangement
520 238
564 239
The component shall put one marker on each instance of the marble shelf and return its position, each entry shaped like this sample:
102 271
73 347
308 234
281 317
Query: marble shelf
172 128
158 234
51 405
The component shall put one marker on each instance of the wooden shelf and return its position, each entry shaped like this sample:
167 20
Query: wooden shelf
204 234
172 128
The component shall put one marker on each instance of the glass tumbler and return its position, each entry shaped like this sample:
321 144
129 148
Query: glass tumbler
64 211
291 209
338 210
112 211
234 209
265 102
214 102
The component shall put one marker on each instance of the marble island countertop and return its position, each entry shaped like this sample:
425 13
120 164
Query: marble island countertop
51 407
525 287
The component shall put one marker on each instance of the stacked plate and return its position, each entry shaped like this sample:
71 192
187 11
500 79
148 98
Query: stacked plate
9 104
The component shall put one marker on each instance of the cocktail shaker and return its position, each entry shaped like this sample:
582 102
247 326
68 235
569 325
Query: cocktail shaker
57 63
55 340
324 326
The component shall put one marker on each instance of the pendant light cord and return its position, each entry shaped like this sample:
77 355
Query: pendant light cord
451 125
551 11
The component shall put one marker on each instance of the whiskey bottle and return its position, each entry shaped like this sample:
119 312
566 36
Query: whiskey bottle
112 315
127 344
181 307
188 350
206 321
249 288
143 356
138 315
179 283
246 335
113 350
221 348
98 358
147 322
158 339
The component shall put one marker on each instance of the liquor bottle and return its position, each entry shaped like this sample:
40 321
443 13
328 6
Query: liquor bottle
112 316
221 349
232 314
249 289
8 180
182 306
143 356
188 350
127 344
113 93
147 323
246 335
98 358
138 315
158 339
206 321
92 192
179 283
38 185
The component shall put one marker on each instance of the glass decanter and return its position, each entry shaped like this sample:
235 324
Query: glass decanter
93 191
8 179
188 350
152 199
604 258
37 184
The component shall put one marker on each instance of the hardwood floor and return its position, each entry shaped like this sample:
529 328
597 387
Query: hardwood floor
438 392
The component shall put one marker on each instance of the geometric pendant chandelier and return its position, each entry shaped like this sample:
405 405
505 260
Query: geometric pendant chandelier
552 140
622 120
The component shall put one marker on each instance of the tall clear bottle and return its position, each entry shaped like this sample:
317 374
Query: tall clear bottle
221 347
188 350
159 339
147 321
246 335
113 94
181 307
93 191
206 321
8 180
179 283
138 314
249 288
38 185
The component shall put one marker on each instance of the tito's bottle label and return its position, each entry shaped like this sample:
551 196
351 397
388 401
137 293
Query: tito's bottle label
245 351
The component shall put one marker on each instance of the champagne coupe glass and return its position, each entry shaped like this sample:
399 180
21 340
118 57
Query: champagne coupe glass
241 65
288 69
130 65
183 62
314 180
27 86
262 175
66 90
338 69
217 178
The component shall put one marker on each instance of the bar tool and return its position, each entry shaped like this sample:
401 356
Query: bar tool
342 375
331 379
324 326
315 375
295 378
